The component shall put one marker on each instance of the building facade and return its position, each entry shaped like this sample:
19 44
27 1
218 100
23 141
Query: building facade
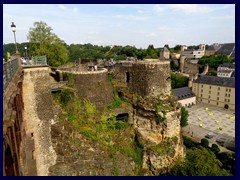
214 90
193 53
185 96
226 70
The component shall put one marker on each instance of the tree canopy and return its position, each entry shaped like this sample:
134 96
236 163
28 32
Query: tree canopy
215 61
199 162
184 117
44 42
178 81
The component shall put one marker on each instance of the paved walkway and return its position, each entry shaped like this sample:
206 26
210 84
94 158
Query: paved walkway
212 120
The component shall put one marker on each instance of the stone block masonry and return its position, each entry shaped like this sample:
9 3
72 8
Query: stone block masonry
93 86
38 116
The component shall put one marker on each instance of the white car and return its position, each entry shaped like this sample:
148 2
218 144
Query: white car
24 62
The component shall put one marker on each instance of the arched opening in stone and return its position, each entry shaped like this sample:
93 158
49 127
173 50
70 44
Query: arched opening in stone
8 161
226 106
127 77
122 117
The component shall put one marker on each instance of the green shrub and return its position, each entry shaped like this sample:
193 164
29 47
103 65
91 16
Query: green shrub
184 117
204 143
66 96
116 103
215 149
188 142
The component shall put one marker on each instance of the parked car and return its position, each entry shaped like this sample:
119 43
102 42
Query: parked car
24 62
209 136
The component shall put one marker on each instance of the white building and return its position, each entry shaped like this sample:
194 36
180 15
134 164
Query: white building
193 53
185 96
226 70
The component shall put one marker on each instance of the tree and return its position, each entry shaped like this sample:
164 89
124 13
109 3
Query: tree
178 81
184 117
177 48
215 149
205 143
199 162
215 61
44 42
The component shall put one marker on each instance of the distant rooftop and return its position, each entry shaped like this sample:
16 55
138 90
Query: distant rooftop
183 93
214 80
230 65
228 49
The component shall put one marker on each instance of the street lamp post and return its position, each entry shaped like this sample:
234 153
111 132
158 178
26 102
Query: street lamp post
26 51
13 26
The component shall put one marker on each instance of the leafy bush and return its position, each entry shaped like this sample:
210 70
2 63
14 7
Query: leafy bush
188 142
65 96
205 143
184 117
215 149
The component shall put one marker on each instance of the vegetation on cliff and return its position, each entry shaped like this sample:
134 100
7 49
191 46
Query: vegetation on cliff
202 160
116 137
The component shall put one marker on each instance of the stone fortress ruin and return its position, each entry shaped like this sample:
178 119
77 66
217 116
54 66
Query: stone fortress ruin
50 146
154 113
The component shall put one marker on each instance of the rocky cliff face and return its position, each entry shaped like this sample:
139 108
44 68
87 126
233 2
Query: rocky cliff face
157 126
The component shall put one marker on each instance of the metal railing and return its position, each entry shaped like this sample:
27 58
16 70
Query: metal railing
39 60
9 69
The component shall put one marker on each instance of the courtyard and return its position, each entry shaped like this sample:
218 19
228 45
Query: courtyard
212 122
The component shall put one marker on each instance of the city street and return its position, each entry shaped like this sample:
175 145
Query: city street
216 122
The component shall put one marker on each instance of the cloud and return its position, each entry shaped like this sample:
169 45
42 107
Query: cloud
93 33
62 7
131 17
164 28
157 8
222 17
75 9
151 35
190 8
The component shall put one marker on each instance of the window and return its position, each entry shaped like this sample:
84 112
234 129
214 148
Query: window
201 90
217 98
209 97
202 86
218 93
217 103
228 100
209 87
228 95
229 90
219 88
201 95
127 77
226 89
208 101
209 92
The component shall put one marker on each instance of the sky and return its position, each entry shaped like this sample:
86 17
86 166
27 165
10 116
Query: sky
137 25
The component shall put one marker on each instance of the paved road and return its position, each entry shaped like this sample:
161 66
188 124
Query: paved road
208 119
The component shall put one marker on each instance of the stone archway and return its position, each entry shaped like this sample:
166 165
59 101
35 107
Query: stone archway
226 106
8 162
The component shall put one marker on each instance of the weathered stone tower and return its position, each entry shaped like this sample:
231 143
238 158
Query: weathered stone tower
156 114
182 61
151 78
92 85
164 54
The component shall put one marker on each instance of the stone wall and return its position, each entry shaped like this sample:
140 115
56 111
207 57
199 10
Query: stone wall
92 85
151 78
38 116
162 142
146 78
12 125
